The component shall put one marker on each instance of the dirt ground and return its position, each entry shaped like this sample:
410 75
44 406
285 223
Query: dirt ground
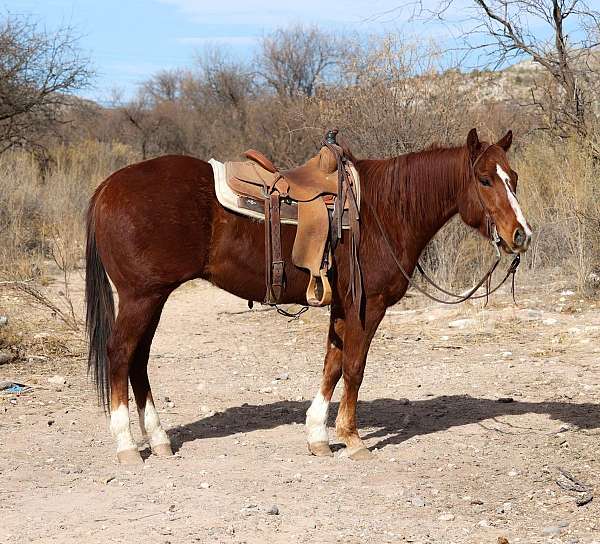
453 463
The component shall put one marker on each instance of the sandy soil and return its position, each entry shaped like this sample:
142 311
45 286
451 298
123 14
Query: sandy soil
452 463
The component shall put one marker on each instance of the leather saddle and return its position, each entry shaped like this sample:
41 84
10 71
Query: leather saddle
322 197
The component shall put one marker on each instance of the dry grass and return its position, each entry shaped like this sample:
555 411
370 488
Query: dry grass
41 221
560 192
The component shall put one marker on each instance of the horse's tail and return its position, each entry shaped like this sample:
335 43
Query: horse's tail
100 312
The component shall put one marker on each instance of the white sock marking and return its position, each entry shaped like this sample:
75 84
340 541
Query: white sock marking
120 428
150 425
316 420
513 200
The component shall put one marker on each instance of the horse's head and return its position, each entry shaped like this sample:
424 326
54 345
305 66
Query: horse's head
490 202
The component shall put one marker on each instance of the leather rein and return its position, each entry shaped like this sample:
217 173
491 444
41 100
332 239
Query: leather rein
487 277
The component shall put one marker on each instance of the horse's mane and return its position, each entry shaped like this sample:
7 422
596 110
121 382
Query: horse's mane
416 183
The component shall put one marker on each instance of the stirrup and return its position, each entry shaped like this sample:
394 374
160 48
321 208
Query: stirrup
321 283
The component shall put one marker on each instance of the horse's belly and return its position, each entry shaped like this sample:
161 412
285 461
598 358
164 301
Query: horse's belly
237 258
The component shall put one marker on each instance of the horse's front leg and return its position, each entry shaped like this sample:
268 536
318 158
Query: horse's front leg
357 340
316 416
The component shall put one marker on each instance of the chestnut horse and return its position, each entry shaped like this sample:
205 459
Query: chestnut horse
155 225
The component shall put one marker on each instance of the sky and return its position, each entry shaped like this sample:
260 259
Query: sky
129 40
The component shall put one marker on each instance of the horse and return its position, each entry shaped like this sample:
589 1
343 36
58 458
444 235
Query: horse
156 224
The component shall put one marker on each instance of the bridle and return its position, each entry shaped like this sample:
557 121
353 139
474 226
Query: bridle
495 240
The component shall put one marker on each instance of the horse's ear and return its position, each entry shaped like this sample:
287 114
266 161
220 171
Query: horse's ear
473 144
506 141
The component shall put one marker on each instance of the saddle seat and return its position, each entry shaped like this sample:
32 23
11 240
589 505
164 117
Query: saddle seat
257 176
306 196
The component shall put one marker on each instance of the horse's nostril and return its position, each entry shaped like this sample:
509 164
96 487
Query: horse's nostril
519 237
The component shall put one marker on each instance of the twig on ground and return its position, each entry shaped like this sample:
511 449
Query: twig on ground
30 289
570 483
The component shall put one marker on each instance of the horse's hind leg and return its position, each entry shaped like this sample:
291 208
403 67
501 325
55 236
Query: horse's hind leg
316 416
134 317
150 426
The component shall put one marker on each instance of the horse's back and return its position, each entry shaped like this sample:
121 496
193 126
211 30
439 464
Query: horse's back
159 212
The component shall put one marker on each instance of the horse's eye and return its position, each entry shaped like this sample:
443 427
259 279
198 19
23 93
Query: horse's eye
485 181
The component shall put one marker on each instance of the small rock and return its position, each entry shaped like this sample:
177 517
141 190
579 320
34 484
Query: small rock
3 320
446 517
564 428
284 376
230 530
204 485
265 390
461 323
550 321
582 501
403 401
36 359
6 357
170 405
530 314
551 531
57 379
273 511
505 400
503 540
50 422
562 524
513 472
419 502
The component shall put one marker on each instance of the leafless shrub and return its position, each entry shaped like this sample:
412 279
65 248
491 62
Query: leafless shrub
504 30
38 71
295 60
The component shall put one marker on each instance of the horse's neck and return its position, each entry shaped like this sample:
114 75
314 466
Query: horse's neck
424 188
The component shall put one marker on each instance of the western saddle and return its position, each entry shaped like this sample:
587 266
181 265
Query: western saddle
322 197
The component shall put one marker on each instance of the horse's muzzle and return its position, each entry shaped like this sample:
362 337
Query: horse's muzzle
520 240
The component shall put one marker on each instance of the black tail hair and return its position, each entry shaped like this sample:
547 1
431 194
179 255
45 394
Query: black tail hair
100 312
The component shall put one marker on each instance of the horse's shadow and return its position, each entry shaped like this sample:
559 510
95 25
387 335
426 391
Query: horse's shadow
394 420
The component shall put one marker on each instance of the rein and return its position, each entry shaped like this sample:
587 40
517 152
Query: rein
512 269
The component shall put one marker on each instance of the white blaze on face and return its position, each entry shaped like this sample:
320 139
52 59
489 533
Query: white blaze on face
316 420
120 428
513 200
150 424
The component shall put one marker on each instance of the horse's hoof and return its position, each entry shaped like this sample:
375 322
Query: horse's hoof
130 457
162 450
361 454
320 449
